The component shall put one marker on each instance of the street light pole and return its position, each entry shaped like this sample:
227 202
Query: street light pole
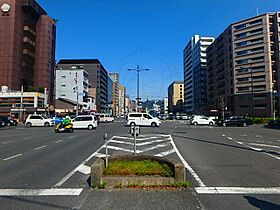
138 70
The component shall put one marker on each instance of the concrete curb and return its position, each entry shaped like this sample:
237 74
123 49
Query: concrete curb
98 166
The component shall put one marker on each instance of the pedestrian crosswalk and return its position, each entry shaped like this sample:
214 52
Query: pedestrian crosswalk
153 145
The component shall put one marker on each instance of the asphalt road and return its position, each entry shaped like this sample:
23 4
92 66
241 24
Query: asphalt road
244 161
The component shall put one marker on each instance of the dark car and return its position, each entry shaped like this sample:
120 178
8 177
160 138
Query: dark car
2 124
274 124
235 121
8 122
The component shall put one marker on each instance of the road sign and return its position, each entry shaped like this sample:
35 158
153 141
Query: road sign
134 130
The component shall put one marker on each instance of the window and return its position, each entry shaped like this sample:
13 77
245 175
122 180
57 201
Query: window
63 77
243 52
241 35
259 97
242 70
243 88
63 95
240 44
242 61
240 26
245 79
36 117
85 119
257 31
135 115
260 106
259 78
147 116
255 22
63 85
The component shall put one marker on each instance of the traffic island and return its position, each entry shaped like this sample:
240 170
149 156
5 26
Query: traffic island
137 172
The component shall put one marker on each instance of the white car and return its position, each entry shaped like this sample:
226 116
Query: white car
142 119
202 120
106 118
38 120
85 121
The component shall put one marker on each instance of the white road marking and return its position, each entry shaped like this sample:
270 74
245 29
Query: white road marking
58 141
71 137
258 136
237 190
123 137
229 138
71 173
100 155
121 142
264 145
38 148
12 157
187 166
258 150
41 192
244 135
154 147
151 142
84 169
223 135
162 154
121 149
7 142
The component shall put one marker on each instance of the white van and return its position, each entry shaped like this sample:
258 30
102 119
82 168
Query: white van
106 118
201 120
38 120
142 119
85 121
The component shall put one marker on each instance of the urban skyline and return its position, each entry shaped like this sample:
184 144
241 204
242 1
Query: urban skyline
145 39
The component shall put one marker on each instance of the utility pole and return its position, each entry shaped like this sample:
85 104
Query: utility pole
77 92
138 70
21 104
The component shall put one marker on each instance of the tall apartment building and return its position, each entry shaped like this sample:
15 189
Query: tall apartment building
27 53
176 97
244 68
116 78
97 78
195 74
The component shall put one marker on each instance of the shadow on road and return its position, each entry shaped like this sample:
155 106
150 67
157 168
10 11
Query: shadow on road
228 145
38 203
261 204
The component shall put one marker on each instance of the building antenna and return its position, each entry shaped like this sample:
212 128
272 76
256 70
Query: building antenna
257 10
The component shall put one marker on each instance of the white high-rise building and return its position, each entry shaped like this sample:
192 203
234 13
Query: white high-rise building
72 85
195 74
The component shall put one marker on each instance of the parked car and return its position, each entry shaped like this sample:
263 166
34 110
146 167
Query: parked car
38 120
235 121
8 121
2 124
142 119
274 124
106 118
201 120
85 121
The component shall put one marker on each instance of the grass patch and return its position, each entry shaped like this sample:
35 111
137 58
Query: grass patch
138 168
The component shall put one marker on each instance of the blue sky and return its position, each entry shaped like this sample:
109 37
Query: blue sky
149 33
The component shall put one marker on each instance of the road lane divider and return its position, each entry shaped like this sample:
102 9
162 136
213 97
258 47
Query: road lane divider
58 141
12 157
41 147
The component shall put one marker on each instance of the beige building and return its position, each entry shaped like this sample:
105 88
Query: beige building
176 97
244 67
116 78
122 94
